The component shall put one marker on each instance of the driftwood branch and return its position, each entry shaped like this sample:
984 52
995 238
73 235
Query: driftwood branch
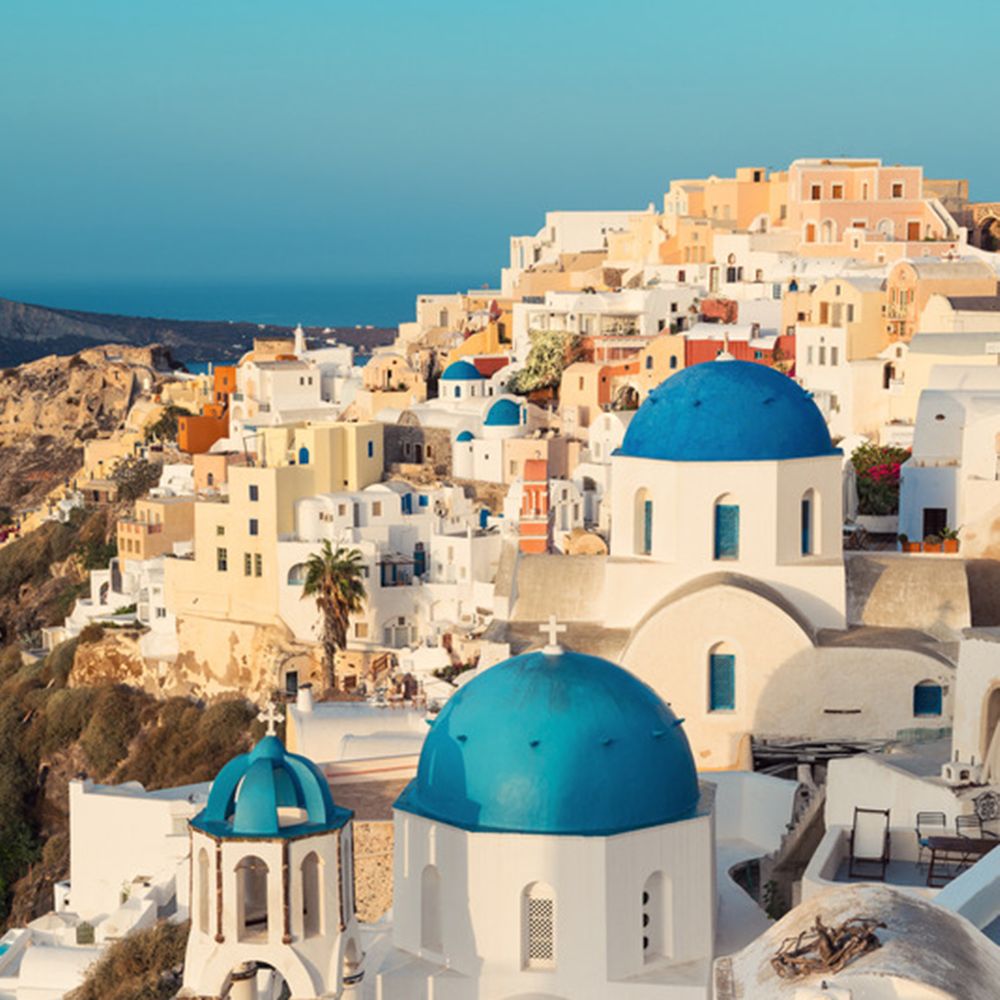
825 949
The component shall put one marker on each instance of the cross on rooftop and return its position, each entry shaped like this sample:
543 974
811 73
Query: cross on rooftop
552 630
271 717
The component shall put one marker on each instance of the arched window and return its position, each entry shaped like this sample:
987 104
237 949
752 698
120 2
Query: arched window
721 678
927 699
312 916
808 520
828 231
303 455
203 892
430 909
656 931
538 922
727 528
643 522
251 899
673 362
297 575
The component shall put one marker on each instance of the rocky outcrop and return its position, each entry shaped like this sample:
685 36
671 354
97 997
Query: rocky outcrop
50 407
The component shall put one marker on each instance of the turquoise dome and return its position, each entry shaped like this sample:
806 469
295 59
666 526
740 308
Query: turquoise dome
464 436
461 370
727 411
503 413
554 744
249 791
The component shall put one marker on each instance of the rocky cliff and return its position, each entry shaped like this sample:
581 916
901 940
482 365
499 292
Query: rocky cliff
50 407
28 332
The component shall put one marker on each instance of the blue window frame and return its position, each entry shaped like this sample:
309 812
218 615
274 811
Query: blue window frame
254 492
253 526
371 449
722 682
807 542
727 531
424 499
407 503
649 361
303 456
927 699
647 527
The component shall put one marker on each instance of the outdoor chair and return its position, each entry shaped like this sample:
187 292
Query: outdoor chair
869 845
969 826
928 824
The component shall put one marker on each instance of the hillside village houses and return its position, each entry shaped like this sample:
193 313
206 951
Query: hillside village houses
664 515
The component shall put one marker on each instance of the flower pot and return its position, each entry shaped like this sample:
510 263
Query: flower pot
932 546
950 545
912 547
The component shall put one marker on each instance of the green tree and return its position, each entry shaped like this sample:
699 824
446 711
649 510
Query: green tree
551 351
335 579
135 476
165 427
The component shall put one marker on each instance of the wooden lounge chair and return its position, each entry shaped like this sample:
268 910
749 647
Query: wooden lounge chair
928 824
869 847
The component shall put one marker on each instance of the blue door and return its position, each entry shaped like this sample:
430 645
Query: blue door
407 503
303 456
927 699
647 527
807 545
722 682
727 531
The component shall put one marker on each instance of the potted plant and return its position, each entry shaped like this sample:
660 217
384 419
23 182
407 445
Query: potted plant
904 542
949 539
932 543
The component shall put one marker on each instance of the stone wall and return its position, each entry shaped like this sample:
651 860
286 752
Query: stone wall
373 845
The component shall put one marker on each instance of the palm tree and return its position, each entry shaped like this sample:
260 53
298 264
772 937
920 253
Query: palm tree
335 578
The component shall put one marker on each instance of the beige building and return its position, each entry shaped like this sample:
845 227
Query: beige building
225 596
157 523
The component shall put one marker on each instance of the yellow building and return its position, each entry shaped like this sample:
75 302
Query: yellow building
233 574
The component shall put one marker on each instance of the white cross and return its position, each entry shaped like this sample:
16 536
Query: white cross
271 717
552 630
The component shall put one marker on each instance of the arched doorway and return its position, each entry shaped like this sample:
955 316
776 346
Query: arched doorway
990 746
988 234
257 979
627 398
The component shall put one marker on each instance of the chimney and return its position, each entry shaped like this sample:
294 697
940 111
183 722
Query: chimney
304 699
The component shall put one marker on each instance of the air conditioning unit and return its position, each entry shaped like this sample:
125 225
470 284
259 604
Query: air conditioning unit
961 772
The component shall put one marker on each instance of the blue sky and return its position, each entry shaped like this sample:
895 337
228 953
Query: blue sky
320 139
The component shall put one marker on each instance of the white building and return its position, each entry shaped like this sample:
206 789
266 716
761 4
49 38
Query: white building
952 479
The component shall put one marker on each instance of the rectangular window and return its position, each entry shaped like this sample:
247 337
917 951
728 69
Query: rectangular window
809 355
897 190
254 492
806 526
377 508
258 564
850 313
647 527
838 192
424 500
727 531
834 355
371 449
361 630
221 560
722 682
253 526
822 355
220 529
816 192
247 564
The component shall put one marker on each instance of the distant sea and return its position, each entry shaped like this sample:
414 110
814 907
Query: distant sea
284 303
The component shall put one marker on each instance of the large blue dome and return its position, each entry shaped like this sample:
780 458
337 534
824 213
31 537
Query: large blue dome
503 413
554 744
269 792
727 411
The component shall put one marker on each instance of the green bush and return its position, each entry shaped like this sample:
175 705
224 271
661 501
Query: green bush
142 966
113 723
550 353
67 714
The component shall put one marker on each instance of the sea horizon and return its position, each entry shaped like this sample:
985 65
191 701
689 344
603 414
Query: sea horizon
380 302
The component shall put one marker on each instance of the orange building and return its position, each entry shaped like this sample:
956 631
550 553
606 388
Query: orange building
535 522
197 433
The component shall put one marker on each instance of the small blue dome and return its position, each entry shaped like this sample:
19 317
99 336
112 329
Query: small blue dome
269 792
464 436
503 413
727 411
461 370
554 744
